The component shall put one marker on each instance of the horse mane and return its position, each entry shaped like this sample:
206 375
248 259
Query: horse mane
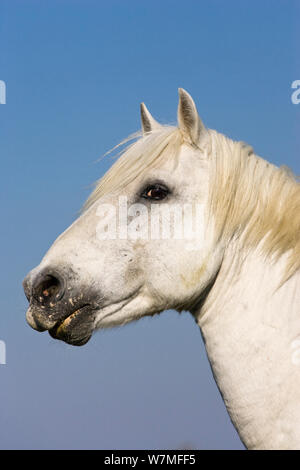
249 197
252 198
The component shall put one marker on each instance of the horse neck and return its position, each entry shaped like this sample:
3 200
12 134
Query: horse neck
251 330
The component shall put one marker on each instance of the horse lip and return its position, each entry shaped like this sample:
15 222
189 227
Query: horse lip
67 320
35 322
62 329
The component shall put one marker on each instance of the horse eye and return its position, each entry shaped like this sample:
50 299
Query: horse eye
155 192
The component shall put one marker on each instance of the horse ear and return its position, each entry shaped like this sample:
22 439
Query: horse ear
188 118
148 122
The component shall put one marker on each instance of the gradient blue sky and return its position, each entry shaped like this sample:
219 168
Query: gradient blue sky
76 72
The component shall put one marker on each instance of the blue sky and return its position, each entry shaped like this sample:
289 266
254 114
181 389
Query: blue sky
75 73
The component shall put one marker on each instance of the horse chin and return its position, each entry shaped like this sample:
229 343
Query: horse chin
76 329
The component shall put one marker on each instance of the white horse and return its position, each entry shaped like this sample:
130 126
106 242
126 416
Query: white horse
240 281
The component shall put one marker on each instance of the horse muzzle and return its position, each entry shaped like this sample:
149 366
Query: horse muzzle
58 305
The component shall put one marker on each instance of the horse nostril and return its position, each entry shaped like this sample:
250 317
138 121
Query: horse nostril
48 289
